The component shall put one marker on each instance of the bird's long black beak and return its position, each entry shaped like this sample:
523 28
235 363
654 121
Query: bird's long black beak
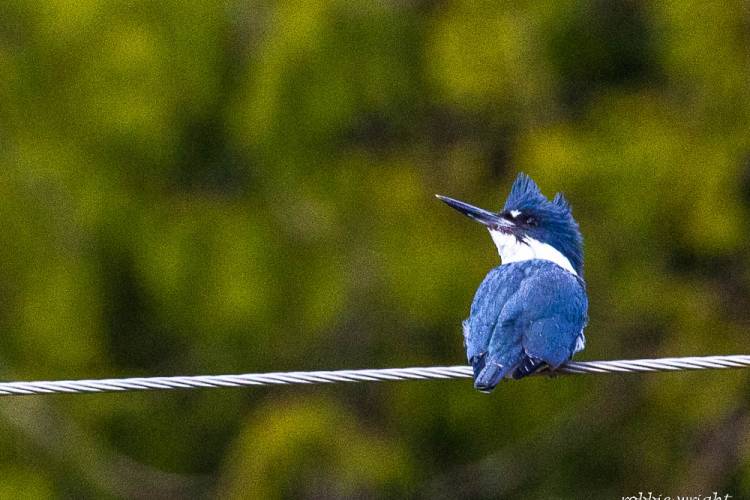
489 219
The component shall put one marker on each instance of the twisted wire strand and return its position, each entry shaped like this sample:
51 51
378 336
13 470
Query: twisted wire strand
367 375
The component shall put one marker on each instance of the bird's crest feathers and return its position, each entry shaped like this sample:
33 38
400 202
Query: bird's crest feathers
561 201
525 194
562 229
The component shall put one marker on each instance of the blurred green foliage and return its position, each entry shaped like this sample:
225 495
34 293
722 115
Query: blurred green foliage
217 187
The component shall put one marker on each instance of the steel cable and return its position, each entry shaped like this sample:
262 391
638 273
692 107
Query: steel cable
367 375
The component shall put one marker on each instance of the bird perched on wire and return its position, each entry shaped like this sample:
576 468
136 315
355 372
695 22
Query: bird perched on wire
531 310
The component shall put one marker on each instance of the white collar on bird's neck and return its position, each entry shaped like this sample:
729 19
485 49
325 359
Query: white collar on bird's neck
511 249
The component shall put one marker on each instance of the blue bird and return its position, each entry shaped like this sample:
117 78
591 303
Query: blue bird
531 310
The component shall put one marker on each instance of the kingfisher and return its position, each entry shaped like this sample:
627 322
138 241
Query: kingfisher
530 311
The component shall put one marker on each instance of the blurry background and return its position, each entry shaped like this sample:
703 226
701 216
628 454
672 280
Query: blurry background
218 187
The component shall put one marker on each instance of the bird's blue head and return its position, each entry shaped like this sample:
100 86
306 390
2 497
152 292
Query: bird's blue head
530 226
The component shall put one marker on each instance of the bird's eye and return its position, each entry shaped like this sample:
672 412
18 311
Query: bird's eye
531 221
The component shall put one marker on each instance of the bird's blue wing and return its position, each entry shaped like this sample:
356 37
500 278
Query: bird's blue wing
554 316
496 288
540 321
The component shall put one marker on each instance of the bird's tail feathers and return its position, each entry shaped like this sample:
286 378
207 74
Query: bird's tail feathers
490 374
477 363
